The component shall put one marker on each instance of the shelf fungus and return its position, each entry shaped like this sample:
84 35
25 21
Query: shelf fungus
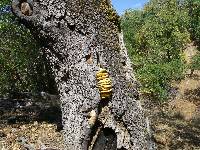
104 83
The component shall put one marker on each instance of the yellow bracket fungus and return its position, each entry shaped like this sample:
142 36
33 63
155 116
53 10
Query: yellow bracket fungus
104 83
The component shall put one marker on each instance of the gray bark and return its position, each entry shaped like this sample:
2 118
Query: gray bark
78 36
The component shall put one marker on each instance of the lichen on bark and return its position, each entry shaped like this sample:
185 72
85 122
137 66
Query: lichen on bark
78 36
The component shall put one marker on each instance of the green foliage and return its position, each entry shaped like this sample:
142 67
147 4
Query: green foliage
164 33
195 65
4 2
22 65
155 38
131 22
156 78
194 7
16 49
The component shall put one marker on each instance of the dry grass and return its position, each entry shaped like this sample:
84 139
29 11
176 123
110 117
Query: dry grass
31 136
182 109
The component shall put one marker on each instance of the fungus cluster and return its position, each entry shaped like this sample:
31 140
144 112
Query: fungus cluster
104 83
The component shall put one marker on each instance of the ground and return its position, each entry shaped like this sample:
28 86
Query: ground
28 124
30 136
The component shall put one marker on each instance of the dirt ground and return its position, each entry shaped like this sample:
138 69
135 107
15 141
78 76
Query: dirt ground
32 136
26 124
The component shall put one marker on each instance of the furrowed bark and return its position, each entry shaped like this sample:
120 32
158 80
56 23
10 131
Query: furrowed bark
78 37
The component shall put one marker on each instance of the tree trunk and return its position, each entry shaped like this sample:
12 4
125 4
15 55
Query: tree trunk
79 37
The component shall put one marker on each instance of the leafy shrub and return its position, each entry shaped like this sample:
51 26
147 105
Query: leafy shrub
156 78
195 65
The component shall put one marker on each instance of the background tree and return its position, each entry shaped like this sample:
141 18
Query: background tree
194 13
194 28
156 37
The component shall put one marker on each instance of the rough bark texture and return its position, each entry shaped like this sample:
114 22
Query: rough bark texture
78 37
